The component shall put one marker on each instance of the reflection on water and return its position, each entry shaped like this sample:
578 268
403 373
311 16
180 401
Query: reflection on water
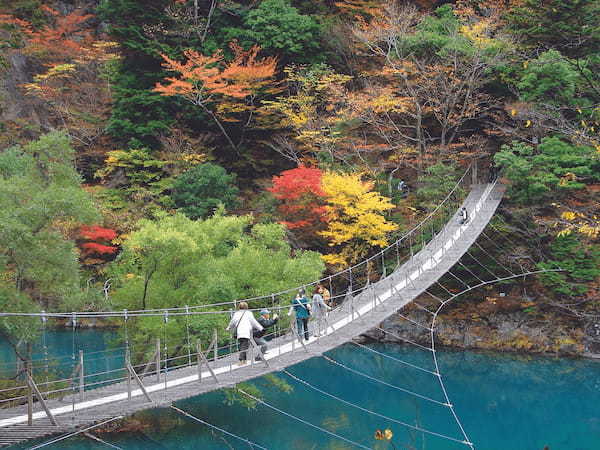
504 402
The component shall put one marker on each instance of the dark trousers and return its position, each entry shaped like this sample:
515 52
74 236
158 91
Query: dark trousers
302 327
243 343
262 343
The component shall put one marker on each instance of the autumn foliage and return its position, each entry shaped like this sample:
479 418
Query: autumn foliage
95 241
302 200
70 59
341 208
202 78
206 80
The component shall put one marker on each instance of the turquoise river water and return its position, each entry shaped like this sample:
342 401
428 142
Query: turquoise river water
505 402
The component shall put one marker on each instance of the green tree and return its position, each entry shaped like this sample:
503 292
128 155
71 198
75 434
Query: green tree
200 190
435 183
176 261
41 199
580 264
553 167
569 26
139 115
549 79
279 29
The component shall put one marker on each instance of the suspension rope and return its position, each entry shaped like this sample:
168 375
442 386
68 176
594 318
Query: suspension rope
305 422
466 441
449 272
494 276
166 348
45 350
494 259
73 332
382 416
378 380
97 439
125 320
469 270
395 359
507 241
75 433
402 339
187 332
214 427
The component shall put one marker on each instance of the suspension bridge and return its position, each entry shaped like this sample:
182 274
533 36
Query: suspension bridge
385 284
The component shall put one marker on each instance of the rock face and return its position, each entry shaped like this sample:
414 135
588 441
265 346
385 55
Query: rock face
14 106
516 330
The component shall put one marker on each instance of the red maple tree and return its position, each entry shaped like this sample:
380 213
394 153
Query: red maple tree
94 242
302 200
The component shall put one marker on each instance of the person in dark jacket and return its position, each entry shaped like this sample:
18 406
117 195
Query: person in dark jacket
301 308
265 322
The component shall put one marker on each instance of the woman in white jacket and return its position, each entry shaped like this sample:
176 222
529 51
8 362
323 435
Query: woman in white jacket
242 324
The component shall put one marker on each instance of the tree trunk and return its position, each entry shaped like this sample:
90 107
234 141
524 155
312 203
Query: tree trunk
233 146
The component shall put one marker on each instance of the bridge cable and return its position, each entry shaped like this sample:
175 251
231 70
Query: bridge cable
214 427
400 338
510 243
75 433
97 439
377 380
494 259
494 276
382 416
305 422
466 441
395 359
470 271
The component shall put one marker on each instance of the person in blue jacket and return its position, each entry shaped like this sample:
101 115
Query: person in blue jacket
301 307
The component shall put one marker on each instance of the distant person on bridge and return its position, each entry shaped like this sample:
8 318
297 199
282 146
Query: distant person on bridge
301 306
325 294
464 216
242 324
265 322
319 310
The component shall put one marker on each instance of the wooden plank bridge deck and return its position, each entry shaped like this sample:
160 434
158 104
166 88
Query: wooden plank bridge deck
369 308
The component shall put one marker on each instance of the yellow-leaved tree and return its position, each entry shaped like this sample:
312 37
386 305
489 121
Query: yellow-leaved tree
355 218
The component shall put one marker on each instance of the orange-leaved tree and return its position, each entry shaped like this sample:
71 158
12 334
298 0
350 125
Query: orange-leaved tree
207 80
302 201
355 218
71 82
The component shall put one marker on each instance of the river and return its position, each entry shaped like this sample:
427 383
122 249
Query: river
505 401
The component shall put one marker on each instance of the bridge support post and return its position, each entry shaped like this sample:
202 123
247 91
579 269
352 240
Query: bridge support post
216 346
157 360
128 375
134 375
257 351
33 387
30 390
201 359
81 377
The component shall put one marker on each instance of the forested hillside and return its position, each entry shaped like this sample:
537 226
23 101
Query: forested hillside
165 153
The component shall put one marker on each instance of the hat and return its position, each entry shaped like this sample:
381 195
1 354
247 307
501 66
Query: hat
264 312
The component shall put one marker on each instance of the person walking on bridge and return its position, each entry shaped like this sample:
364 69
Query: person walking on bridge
266 322
319 311
325 294
301 307
242 324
